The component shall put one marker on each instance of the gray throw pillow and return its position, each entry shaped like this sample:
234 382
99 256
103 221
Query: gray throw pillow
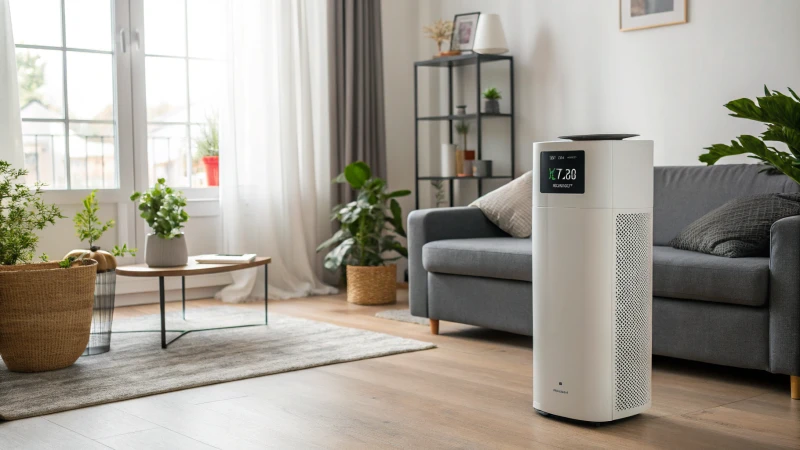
738 228
509 206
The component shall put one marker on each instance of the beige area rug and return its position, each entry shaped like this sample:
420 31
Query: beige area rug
136 366
402 315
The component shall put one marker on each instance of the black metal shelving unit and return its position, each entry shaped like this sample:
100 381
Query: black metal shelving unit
449 63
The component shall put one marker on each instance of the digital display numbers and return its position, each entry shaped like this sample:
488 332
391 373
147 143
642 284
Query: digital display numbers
562 172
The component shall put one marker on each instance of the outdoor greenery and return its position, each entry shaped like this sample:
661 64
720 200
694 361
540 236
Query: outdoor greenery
88 226
30 77
208 142
22 214
370 224
163 209
462 128
781 113
492 94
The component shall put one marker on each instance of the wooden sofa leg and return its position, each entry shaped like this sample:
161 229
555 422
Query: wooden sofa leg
435 330
795 387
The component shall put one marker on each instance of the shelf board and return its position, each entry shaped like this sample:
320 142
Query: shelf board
462 60
494 177
464 116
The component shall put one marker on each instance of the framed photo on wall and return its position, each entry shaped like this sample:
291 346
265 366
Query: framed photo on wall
640 14
464 28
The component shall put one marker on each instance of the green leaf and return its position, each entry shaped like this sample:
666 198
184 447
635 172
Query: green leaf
397 218
401 193
337 238
357 174
334 259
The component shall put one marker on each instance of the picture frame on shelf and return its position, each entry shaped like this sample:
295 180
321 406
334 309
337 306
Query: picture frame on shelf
643 14
464 28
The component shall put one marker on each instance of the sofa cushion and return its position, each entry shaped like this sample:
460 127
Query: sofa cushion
509 206
698 276
505 257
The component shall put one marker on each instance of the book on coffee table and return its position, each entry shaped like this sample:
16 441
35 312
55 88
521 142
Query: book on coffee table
225 258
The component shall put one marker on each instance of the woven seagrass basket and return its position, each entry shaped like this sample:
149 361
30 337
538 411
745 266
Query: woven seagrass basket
45 314
372 285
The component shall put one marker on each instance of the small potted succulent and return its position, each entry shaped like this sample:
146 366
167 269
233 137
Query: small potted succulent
208 150
163 210
367 241
491 105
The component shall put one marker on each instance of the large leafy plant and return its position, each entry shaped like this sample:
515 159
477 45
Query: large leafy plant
370 224
89 228
163 209
22 214
781 113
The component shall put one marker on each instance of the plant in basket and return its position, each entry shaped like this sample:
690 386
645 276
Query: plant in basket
45 308
367 242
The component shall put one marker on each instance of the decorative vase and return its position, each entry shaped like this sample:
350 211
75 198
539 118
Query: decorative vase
448 161
464 168
104 299
45 314
160 252
461 110
211 164
482 168
372 285
468 168
491 107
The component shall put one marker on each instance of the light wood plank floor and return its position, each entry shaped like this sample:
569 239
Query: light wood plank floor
474 391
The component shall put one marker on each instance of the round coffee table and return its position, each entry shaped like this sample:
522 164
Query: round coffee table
191 269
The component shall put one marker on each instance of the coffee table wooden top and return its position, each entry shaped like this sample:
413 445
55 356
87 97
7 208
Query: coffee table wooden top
193 268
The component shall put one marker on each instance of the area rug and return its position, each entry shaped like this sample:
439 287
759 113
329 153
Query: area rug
402 315
136 366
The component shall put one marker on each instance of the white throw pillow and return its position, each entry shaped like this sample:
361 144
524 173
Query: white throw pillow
509 207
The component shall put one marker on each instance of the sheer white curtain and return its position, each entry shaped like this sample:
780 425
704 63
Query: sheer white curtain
274 145
10 124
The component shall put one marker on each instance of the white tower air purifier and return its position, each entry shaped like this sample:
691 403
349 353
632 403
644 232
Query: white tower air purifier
592 277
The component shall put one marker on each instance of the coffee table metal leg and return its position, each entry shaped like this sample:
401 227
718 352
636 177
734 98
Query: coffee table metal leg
183 296
266 290
163 312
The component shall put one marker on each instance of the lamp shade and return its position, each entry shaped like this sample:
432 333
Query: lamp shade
490 38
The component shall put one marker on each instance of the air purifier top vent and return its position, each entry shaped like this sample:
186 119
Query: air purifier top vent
598 137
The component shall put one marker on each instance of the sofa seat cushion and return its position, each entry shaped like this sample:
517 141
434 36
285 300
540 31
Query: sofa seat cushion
504 257
698 276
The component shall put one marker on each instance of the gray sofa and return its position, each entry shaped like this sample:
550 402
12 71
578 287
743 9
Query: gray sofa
742 312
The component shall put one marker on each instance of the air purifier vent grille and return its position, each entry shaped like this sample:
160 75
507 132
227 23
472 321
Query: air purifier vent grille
633 296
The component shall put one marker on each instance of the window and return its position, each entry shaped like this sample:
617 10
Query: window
65 62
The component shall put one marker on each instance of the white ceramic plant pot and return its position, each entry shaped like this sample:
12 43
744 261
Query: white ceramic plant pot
160 252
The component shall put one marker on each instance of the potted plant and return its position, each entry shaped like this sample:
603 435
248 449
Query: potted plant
208 150
491 105
45 308
440 31
89 228
163 210
367 241
464 157
781 113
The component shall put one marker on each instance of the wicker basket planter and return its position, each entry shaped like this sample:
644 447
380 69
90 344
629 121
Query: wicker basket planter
372 285
45 314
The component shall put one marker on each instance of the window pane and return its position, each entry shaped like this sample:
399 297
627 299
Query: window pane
90 86
206 27
45 153
168 153
88 24
41 80
165 27
37 22
205 88
93 156
199 178
166 89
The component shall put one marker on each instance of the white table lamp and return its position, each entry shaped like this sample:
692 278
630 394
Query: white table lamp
490 38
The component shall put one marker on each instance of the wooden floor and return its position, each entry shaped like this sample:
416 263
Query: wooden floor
474 391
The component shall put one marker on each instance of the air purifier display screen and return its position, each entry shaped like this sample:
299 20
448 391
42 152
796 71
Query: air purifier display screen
562 172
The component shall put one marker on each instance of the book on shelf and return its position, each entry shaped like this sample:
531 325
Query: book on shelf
225 258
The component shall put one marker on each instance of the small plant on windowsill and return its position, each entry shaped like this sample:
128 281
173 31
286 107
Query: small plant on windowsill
492 104
163 209
208 149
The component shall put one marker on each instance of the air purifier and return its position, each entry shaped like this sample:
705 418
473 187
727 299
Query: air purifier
592 278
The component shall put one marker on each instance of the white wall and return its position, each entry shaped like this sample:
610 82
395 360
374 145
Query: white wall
576 73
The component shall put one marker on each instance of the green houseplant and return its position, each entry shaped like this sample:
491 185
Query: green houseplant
366 243
89 228
208 149
163 209
781 114
464 157
54 296
491 105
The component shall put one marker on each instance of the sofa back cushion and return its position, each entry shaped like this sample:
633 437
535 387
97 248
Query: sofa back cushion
683 194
